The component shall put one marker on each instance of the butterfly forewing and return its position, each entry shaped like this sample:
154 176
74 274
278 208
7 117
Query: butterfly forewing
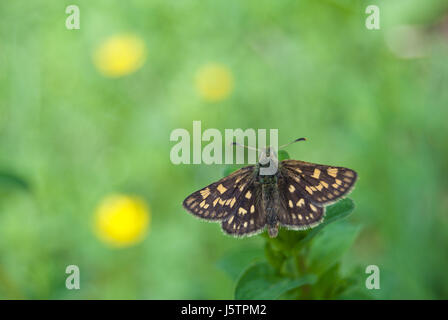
321 184
218 200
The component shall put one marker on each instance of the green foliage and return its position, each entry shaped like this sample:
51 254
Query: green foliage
327 248
333 213
235 262
297 264
283 155
10 181
262 281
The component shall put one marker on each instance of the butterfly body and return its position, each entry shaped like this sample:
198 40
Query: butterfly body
270 208
270 198
294 196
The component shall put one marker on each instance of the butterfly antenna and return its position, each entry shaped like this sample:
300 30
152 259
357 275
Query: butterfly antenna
297 140
241 145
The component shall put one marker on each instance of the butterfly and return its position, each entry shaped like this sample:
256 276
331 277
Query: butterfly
294 196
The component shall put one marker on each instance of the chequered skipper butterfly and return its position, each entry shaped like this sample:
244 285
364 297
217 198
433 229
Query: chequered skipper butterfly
295 197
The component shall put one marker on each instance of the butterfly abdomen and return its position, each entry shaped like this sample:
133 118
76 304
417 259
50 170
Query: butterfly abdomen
270 203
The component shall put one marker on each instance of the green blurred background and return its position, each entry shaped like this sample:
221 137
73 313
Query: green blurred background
372 100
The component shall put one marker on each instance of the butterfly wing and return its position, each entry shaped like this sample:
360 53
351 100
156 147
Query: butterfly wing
321 184
217 200
297 211
306 188
234 200
248 217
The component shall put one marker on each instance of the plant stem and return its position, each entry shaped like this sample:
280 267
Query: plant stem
301 268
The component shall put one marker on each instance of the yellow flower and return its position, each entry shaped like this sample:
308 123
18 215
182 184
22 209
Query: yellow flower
122 220
214 82
120 55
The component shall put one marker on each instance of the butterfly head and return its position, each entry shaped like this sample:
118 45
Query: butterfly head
266 154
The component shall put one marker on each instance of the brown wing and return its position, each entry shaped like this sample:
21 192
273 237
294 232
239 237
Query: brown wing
297 211
321 184
218 200
248 217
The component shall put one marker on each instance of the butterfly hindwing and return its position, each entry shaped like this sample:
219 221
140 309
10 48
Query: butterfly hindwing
320 183
218 200
297 211
248 215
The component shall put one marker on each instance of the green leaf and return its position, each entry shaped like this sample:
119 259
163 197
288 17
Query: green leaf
275 257
234 263
329 246
12 181
355 288
329 282
286 241
260 281
283 155
335 212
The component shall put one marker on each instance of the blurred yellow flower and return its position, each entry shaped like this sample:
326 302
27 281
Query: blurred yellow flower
120 55
214 82
122 220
